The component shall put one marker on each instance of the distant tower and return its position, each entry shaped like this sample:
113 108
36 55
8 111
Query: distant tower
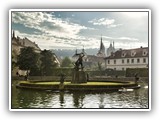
111 49
83 51
113 44
13 36
101 52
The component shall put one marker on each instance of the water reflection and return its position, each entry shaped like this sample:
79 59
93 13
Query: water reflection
22 98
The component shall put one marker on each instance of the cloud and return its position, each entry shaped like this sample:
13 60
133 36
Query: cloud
102 21
110 23
128 45
51 32
121 38
128 38
49 28
48 24
135 14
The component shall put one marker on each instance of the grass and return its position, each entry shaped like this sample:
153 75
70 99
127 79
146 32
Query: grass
73 84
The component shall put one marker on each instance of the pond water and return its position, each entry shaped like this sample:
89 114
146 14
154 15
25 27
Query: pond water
29 99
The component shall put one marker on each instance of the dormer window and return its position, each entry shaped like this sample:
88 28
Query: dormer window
144 52
133 53
123 54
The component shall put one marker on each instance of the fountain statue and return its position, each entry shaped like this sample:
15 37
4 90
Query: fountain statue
79 75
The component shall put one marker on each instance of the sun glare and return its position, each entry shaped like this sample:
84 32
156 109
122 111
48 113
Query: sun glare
135 14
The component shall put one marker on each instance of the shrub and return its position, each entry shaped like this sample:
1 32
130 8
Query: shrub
142 72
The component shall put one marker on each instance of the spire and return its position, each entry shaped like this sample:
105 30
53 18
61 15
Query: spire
13 34
83 49
113 44
110 44
101 51
101 42
76 51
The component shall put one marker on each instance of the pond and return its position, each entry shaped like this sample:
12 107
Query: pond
30 99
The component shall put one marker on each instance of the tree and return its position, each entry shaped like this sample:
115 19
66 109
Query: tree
66 62
13 60
48 62
99 66
28 60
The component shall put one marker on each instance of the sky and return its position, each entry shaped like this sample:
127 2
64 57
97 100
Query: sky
78 29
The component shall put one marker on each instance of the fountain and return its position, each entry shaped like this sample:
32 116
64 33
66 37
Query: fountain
79 75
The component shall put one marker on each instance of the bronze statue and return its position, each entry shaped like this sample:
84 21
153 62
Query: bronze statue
79 62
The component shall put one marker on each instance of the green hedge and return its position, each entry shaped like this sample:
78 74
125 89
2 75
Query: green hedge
111 72
142 72
66 71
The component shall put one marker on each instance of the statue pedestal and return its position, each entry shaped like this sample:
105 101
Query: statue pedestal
79 77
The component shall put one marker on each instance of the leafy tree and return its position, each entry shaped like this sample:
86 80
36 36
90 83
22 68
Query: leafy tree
66 62
99 66
28 60
13 60
48 62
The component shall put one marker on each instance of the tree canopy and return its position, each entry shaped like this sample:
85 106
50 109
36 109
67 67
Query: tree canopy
48 62
28 59
38 63
66 62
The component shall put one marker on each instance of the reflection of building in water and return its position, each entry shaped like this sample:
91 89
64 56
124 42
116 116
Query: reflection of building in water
61 98
101 104
78 99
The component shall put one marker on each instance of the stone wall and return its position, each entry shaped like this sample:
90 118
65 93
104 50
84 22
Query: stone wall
69 78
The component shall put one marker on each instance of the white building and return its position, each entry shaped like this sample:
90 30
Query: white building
131 58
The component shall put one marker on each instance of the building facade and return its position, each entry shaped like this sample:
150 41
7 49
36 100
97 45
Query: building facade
131 58
18 43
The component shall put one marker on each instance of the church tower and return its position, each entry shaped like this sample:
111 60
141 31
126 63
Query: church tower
111 49
13 35
101 52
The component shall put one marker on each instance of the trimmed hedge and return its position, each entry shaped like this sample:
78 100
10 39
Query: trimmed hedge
66 71
142 72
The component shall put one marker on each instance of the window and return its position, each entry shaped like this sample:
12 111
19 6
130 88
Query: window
122 61
123 69
144 52
123 54
144 60
127 60
138 60
133 53
108 61
132 61
114 61
114 68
